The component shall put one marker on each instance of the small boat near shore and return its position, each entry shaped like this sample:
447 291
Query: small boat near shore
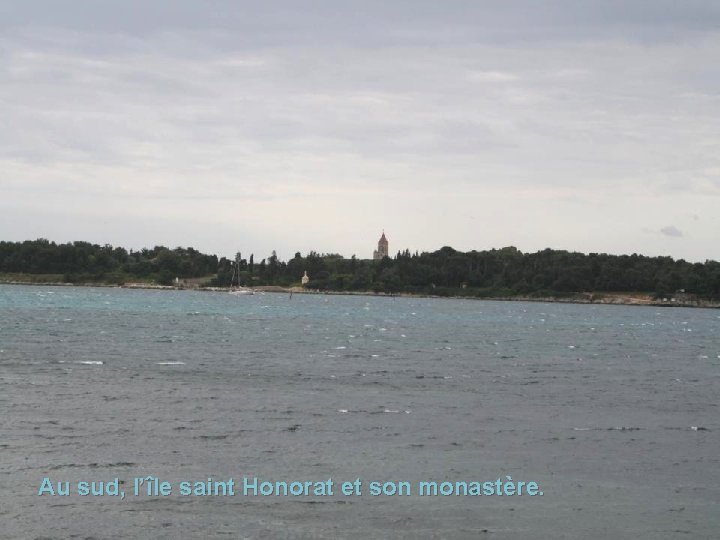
236 289
241 291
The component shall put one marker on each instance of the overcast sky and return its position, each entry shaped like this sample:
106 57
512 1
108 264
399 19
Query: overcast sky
247 126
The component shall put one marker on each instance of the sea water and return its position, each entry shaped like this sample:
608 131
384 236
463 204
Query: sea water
612 410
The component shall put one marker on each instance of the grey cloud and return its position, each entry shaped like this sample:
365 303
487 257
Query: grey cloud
374 22
672 231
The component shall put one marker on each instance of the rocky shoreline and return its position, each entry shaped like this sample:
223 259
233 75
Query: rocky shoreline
635 299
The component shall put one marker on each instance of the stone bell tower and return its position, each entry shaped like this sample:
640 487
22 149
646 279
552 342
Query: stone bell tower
382 250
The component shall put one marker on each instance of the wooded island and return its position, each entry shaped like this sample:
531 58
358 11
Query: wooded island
504 272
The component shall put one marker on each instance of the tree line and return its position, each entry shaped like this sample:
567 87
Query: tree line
496 272
81 262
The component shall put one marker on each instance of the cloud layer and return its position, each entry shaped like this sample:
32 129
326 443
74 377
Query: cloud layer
234 127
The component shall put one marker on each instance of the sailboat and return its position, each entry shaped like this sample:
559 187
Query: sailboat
237 290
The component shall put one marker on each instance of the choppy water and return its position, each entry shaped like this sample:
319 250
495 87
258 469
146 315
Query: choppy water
596 403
